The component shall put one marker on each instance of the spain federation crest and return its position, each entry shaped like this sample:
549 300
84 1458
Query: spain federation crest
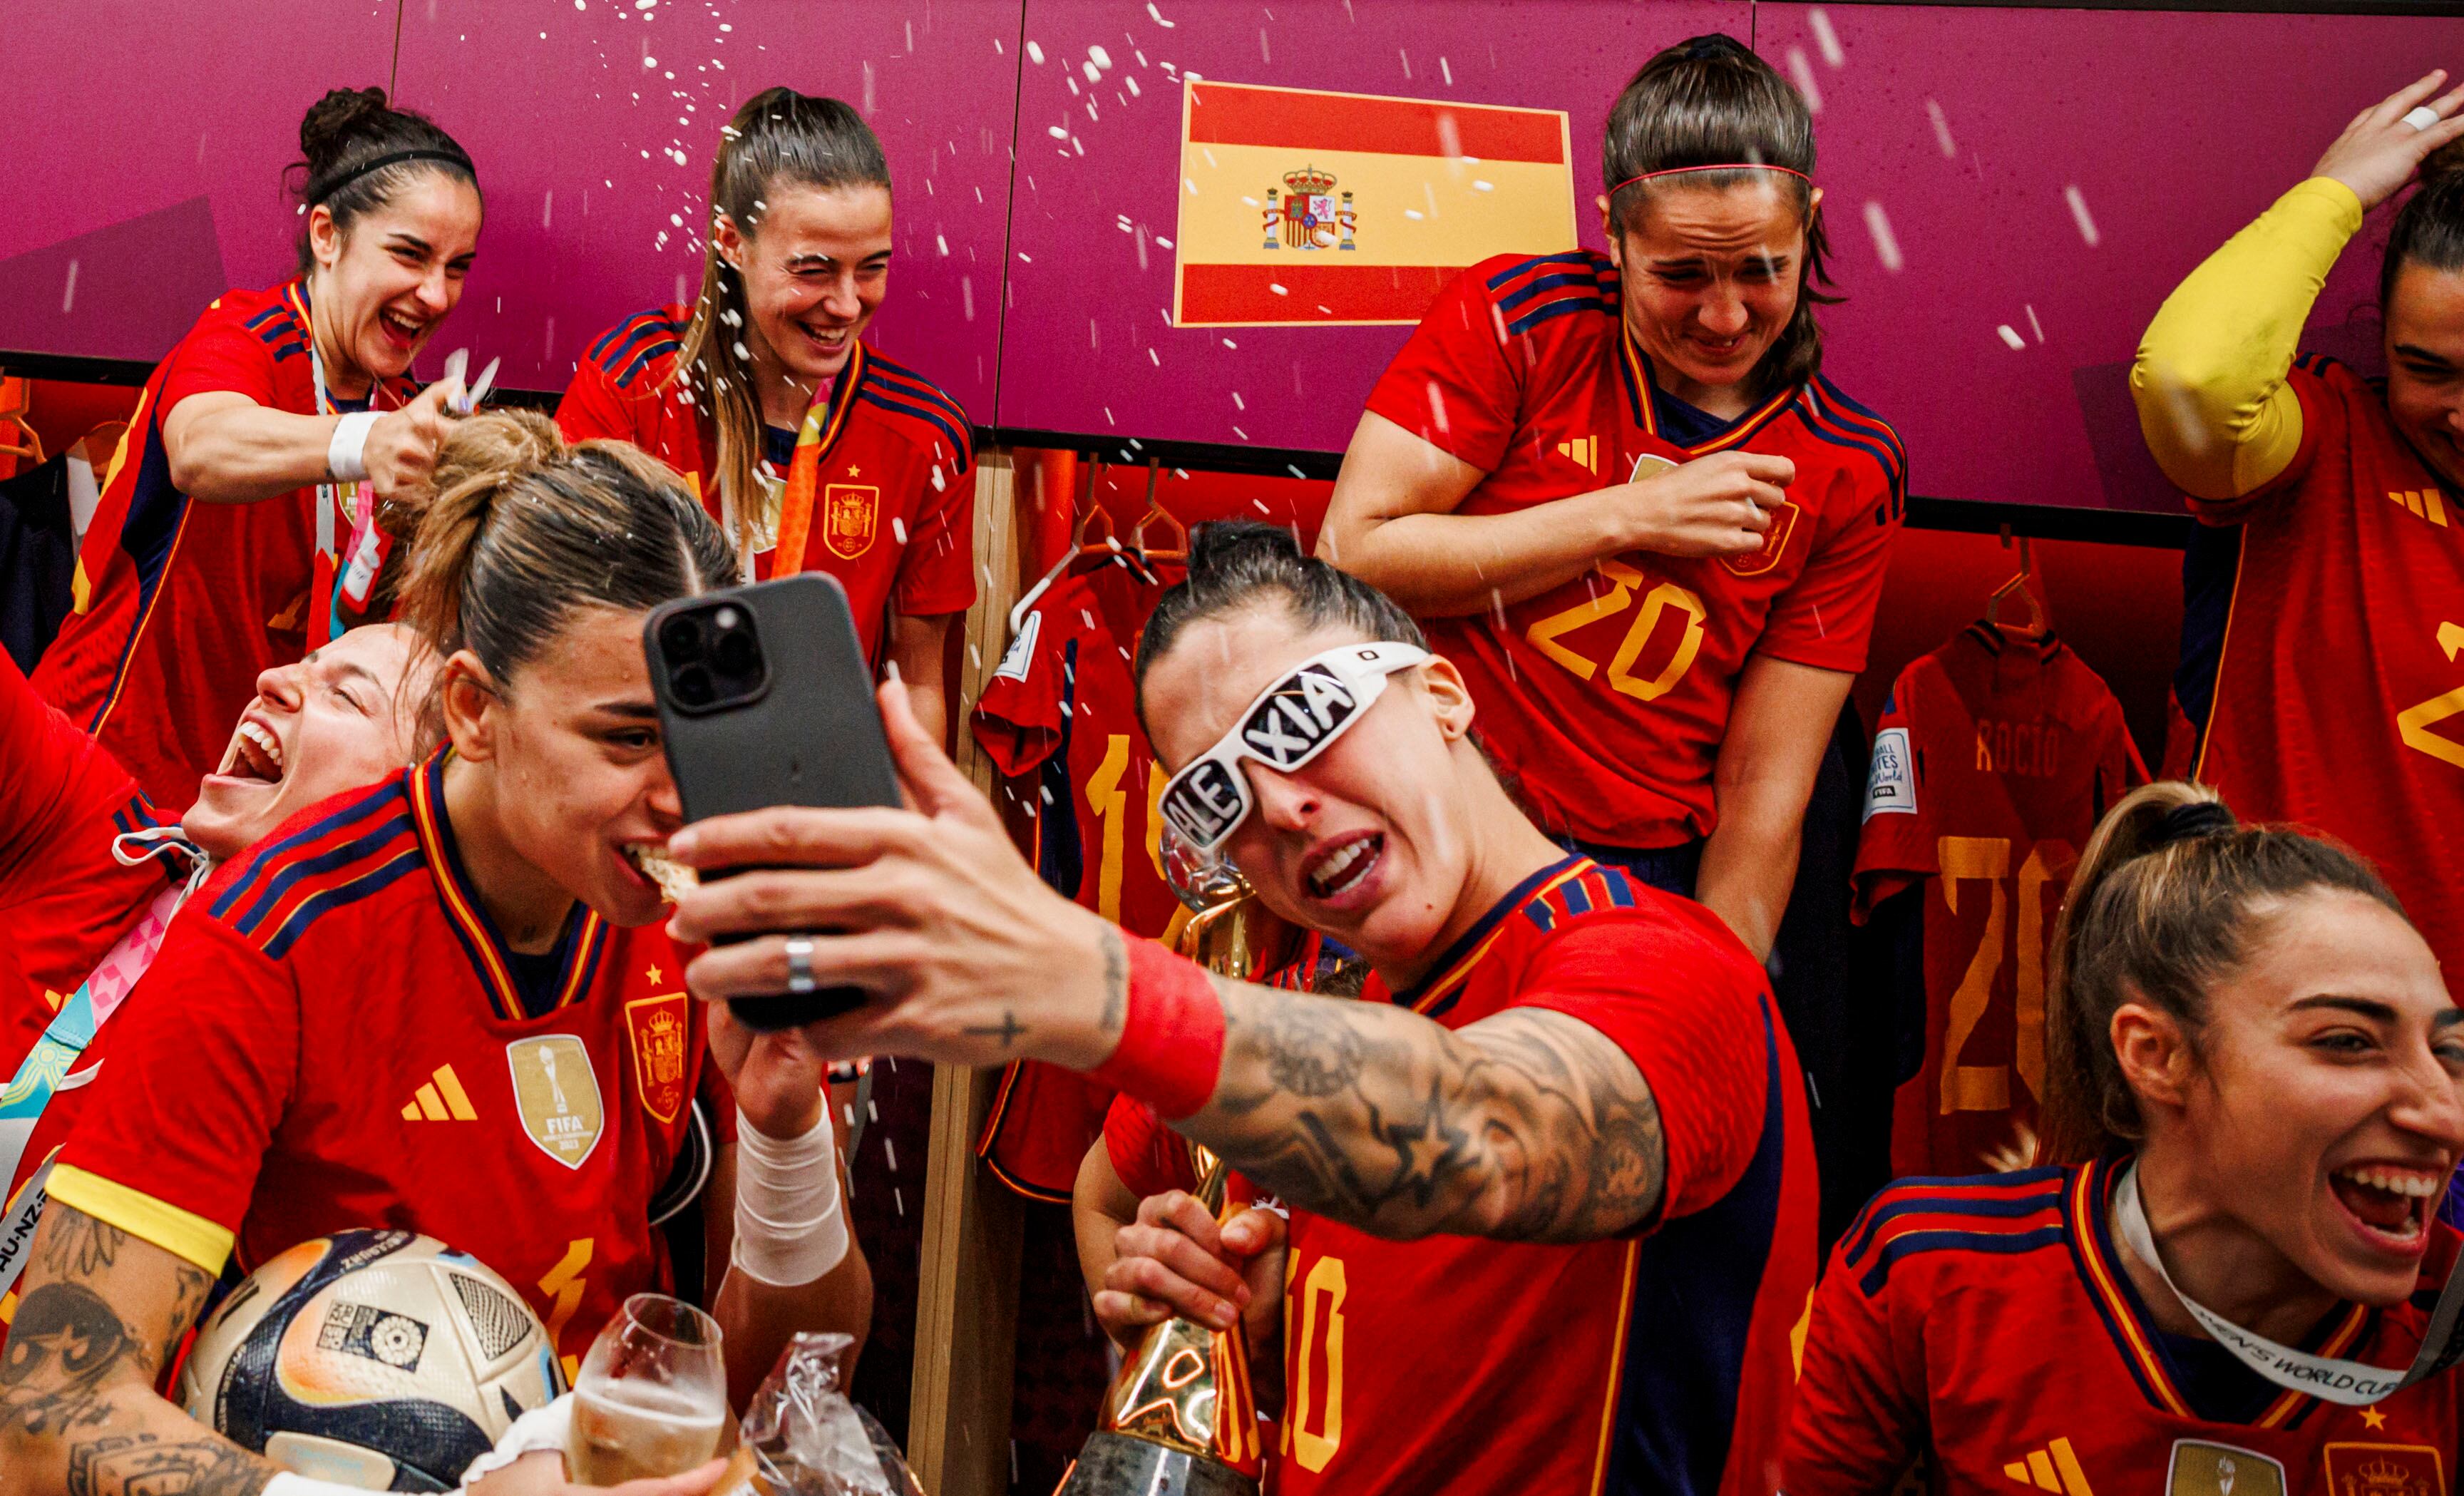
1308 213
2363 1469
658 1028
557 1096
851 511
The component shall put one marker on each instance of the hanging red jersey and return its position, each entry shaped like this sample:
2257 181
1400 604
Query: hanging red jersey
179 604
1988 1325
1607 696
894 501
2336 684
1995 757
334 1035
1655 1361
1059 719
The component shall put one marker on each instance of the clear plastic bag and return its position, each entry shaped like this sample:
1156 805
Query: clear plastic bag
801 1437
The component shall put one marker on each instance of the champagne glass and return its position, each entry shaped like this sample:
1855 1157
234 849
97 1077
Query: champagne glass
652 1395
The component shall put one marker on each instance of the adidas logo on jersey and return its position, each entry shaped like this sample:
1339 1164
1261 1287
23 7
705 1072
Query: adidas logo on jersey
1585 450
2052 1468
2424 502
441 1099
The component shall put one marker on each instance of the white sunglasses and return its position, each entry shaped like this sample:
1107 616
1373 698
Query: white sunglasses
1290 723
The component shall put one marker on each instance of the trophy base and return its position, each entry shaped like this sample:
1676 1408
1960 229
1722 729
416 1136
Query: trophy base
1116 1465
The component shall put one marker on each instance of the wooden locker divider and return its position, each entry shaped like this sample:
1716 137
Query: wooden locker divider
966 1312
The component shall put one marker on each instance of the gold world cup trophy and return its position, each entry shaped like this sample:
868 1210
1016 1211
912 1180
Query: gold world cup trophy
1180 1417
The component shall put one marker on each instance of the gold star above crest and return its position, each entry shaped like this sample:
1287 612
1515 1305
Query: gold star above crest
2372 1418
654 975
854 470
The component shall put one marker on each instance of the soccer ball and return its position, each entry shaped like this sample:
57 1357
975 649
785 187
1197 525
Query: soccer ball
379 1359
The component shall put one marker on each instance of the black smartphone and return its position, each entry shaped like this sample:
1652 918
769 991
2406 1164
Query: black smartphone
766 699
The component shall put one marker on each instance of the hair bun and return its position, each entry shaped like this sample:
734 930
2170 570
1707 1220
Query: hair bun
2187 822
333 122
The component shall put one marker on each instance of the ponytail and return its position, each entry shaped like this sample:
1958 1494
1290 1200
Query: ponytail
778 137
524 531
2429 228
1711 102
2166 903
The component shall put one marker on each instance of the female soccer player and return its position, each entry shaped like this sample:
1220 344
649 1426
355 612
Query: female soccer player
230 498
2257 1079
440 1003
1627 504
90 874
2318 642
1550 1185
817 452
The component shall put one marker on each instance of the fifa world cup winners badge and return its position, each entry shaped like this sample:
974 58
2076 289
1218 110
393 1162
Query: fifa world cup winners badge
1180 1417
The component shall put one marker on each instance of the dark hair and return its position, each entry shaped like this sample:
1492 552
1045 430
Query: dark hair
524 531
2164 905
1710 102
1242 564
2429 226
344 137
806 139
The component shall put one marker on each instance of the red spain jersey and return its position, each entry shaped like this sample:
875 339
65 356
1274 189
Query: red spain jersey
1656 1361
335 1036
1607 697
1987 1325
1059 719
65 900
895 500
2333 686
181 604
1997 756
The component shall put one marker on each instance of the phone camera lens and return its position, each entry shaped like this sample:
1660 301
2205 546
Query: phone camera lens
736 654
727 617
680 637
692 685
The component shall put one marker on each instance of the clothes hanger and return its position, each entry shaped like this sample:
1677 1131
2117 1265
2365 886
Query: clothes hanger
2020 584
21 395
1082 543
1178 550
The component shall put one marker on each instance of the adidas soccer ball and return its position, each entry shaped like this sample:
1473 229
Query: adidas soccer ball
379 1359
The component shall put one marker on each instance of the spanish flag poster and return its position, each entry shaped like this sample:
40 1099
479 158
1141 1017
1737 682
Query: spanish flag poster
1301 207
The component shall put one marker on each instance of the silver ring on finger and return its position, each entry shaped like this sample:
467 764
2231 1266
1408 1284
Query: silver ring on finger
2422 117
800 965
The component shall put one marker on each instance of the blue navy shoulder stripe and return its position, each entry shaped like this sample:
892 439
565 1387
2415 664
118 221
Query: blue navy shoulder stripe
643 357
613 343
268 859
1908 1198
1983 1242
1582 257
905 384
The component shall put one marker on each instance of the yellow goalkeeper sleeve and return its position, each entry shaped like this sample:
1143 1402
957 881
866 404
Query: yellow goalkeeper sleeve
2209 379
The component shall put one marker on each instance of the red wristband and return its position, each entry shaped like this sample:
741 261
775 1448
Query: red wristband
1172 1040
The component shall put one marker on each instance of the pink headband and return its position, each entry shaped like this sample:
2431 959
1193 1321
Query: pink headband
1733 166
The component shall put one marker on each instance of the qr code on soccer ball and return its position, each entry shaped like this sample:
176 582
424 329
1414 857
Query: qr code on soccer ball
382 1336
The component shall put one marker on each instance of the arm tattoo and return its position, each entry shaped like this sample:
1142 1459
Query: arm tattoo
144 1464
1527 1126
76 1373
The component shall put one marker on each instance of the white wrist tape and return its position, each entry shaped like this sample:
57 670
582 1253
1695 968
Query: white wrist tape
347 454
789 1228
548 1427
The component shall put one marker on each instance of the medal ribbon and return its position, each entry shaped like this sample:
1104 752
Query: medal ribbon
2353 1384
825 422
354 502
45 1070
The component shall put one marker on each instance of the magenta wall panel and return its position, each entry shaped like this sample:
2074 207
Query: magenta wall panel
1087 315
146 143
575 114
1967 131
